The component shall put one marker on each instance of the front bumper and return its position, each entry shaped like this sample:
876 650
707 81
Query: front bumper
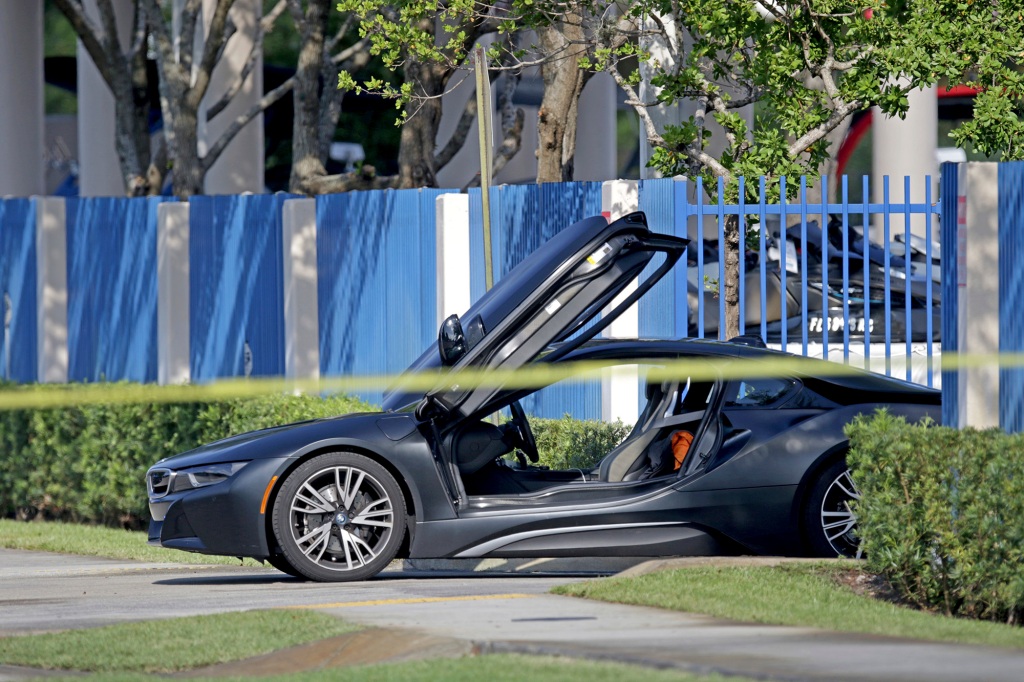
222 519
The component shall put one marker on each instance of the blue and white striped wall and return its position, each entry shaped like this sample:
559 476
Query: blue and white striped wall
985 281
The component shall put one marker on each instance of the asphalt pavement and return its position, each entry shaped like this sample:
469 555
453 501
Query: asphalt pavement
422 610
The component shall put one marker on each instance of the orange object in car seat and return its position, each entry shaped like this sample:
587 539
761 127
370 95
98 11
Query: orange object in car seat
681 441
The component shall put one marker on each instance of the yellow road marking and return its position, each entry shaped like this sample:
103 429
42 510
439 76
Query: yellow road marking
411 600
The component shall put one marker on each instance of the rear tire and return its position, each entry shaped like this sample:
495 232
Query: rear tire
339 517
830 527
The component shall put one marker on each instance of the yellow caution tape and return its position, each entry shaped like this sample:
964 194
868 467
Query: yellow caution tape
537 375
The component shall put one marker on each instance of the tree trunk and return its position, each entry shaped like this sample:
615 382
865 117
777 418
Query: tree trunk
124 72
131 138
307 158
189 170
729 287
418 139
556 119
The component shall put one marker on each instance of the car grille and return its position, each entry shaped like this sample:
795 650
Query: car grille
158 481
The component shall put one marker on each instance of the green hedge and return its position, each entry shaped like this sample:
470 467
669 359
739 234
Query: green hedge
88 463
942 513
569 443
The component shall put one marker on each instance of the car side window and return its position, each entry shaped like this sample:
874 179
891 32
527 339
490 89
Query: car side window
758 392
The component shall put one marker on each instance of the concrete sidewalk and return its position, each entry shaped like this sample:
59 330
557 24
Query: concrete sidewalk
578 628
419 610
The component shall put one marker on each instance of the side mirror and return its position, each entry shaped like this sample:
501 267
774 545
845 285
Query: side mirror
451 342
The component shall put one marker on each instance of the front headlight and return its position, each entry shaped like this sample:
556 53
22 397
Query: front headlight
200 477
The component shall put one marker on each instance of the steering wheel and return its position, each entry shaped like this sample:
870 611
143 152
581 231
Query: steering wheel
526 440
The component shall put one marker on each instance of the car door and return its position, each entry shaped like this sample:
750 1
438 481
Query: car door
549 297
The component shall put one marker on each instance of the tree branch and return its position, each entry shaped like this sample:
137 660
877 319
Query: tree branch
140 33
89 33
512 119
458 138
211 48
343 30
820 131
240 122
187 37
265 25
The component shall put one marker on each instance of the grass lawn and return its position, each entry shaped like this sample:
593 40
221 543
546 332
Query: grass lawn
171 645
151 650
493 668
792 594
75 538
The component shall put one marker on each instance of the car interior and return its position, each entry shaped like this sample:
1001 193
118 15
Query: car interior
670 439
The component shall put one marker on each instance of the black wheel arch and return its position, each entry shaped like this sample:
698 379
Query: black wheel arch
811 475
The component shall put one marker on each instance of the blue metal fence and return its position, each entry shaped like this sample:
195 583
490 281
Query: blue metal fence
18 290
236 290
376 262
112 288
812 275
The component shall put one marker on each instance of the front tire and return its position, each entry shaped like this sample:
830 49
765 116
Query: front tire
830 526
339 517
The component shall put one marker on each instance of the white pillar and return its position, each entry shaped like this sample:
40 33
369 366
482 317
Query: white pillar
901 148
21 102
172 325
452 255
240 166
301 308
595 133
99 168
977 255
620 386
51 290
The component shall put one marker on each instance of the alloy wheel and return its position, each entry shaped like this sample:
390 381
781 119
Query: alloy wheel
340 517
838 522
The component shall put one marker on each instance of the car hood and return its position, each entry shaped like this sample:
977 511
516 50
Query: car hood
555 295
276 441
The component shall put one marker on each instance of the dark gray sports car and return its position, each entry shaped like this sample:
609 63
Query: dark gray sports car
714 465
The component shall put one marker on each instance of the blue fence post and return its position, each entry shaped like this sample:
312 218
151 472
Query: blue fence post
846 270
720 206
762 250
929 331
700 258
803 261
824 268
742 246
907 278
783 219
681 204
866 242
887 288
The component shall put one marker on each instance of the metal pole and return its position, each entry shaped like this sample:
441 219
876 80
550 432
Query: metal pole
483 108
